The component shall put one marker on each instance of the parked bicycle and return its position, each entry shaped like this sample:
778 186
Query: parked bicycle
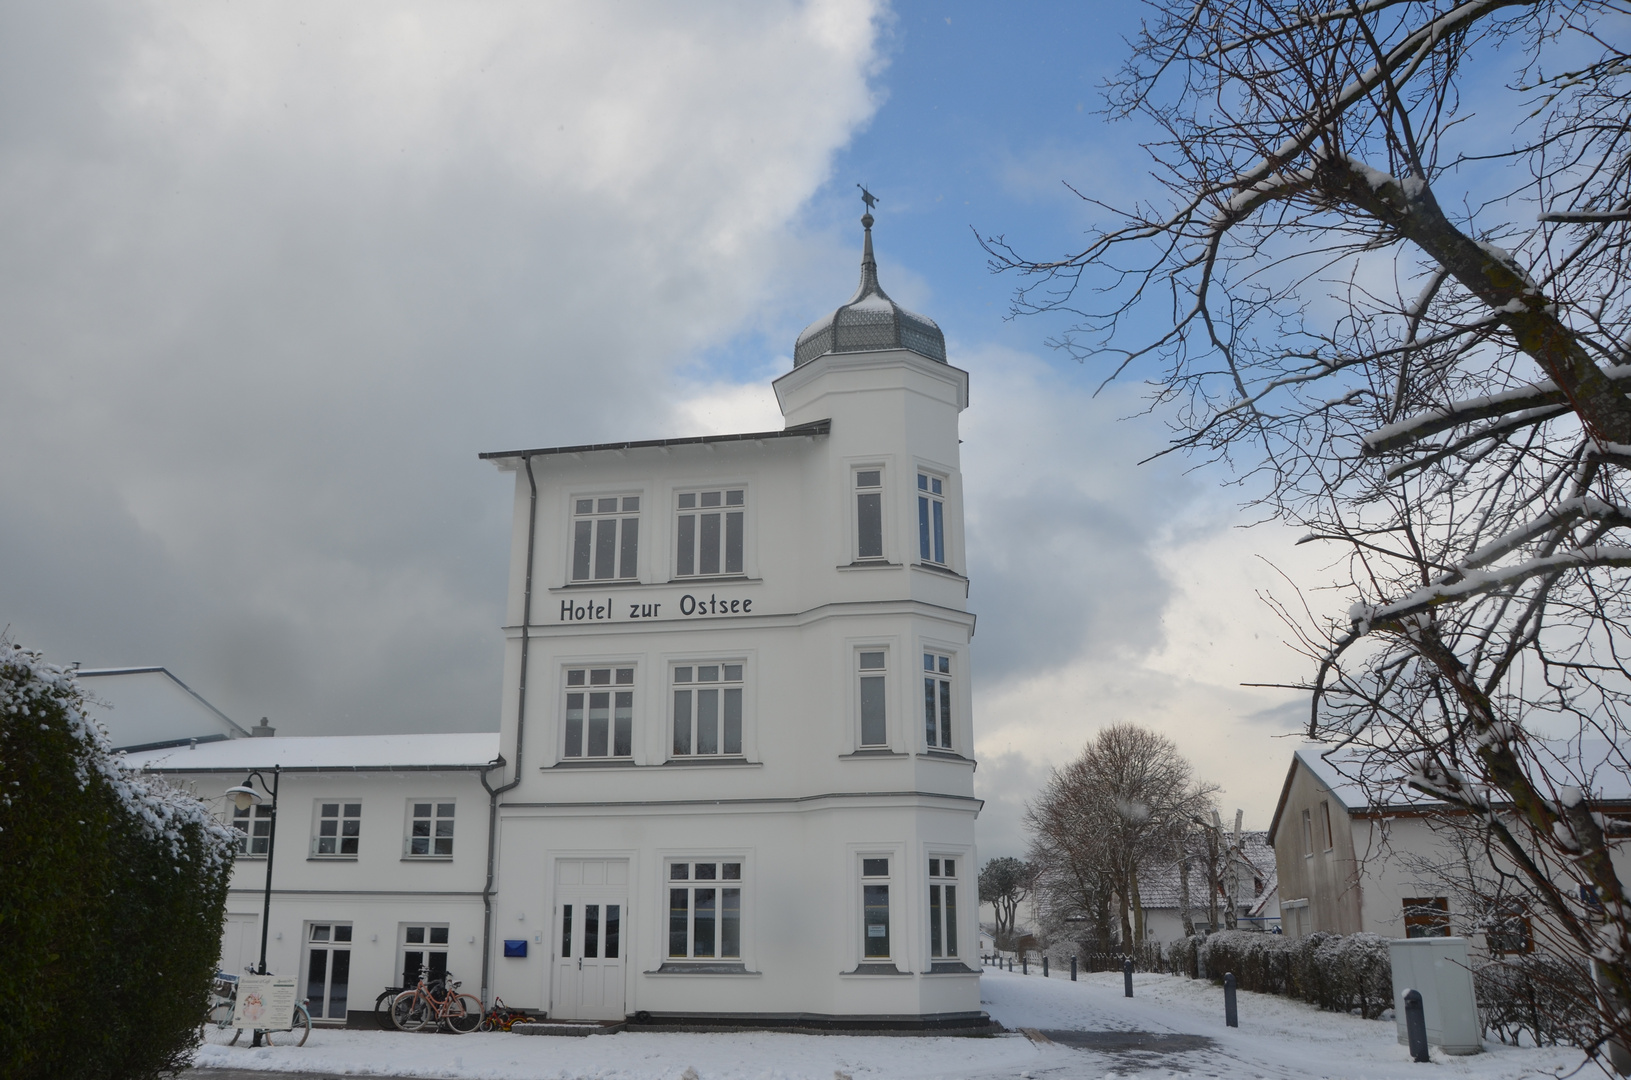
501 1017
223 1003
435 1004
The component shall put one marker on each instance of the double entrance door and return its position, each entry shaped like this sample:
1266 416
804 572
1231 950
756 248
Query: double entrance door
591 909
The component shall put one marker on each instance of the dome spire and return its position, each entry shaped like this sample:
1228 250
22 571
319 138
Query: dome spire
870 321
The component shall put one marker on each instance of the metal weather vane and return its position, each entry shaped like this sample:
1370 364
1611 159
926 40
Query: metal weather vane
868 198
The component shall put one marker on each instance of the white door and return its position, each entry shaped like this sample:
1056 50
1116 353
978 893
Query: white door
240 942
591 919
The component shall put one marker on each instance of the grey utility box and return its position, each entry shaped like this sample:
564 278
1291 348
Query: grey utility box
1441 971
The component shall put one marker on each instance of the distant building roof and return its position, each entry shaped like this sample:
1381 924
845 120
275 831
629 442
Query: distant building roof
317 753
148 707
1160 886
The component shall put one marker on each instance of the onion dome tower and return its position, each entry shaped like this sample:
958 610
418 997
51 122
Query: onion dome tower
870 321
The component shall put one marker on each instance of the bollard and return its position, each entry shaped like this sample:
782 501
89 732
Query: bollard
1073 969
1044 966
1010 963
1415 1023
1127 975
1230 1016
1025 964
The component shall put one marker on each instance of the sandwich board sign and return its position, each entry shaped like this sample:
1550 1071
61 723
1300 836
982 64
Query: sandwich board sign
265 1002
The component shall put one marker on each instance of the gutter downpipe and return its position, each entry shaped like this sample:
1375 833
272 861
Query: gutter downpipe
520 734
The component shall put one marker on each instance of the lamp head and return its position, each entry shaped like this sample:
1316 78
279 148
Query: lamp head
244 796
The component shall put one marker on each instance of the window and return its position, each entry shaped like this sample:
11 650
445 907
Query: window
869 514
254 832
591 941
1426 916
1509 930
605 538
875 909
707 710
710 532
931 518
1308 833
424 948
328 969
1325 822
599 712
942 908
705 910
937 700
338 827
430 831
874 728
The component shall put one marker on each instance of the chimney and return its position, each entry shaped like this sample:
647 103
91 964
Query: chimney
262 730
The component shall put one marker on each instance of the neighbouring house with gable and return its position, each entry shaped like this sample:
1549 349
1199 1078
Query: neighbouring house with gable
1382 862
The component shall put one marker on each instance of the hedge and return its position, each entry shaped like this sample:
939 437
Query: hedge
115 887
1341 973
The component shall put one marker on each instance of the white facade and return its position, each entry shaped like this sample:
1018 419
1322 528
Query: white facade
734 776
769 672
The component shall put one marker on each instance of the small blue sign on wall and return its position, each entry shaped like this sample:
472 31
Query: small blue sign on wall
515 948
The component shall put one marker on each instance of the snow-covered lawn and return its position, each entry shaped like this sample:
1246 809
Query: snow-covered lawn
1276 1039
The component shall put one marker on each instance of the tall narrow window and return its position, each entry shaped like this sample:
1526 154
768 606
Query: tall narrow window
874 722
705 910
869 514
339 825
1308 832
599 712
605 538
430 831
709 530
875 909
937 700
707 710
1325 824
931 518
328 969
942 908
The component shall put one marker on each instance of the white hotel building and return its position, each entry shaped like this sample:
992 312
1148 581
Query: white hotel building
734 779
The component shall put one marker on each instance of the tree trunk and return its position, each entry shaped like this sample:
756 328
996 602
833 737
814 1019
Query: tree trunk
1183 888
1138 907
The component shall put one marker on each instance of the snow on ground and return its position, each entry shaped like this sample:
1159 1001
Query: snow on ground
1277 1040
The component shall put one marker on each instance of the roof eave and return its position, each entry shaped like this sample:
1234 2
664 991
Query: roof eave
811 430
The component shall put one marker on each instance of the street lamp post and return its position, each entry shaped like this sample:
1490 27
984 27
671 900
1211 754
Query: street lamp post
243 797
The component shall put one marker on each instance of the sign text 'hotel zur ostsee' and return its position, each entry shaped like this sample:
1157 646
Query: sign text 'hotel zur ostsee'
611 609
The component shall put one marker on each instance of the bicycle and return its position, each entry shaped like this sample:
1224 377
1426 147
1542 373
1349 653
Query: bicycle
223 1003
414 1009
501 1017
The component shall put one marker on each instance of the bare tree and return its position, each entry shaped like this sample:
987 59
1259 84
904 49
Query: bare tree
1116 808
1406 320
1004 884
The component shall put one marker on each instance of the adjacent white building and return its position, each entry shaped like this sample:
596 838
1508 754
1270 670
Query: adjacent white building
734 775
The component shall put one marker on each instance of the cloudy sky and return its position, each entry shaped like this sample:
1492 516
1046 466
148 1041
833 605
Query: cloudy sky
274 274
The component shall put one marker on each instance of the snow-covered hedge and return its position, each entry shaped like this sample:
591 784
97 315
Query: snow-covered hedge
1540 999
1339 972
111 898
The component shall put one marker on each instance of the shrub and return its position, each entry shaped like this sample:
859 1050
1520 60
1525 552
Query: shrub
111 911
1341 973
1549 998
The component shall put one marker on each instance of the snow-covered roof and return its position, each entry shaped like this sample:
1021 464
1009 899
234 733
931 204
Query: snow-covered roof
1594 764
1159 886
464 750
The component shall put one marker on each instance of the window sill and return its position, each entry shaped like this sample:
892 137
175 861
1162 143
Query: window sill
604 583
708 762
331 858
427 858
949 967
880 752
873 969
945 755
715 579
241 857
871 564
943 571
593 763
689 967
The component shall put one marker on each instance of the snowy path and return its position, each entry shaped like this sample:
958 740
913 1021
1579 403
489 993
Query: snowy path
1276 1040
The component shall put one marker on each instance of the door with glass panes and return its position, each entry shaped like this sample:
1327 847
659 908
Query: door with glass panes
328 969
590 938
